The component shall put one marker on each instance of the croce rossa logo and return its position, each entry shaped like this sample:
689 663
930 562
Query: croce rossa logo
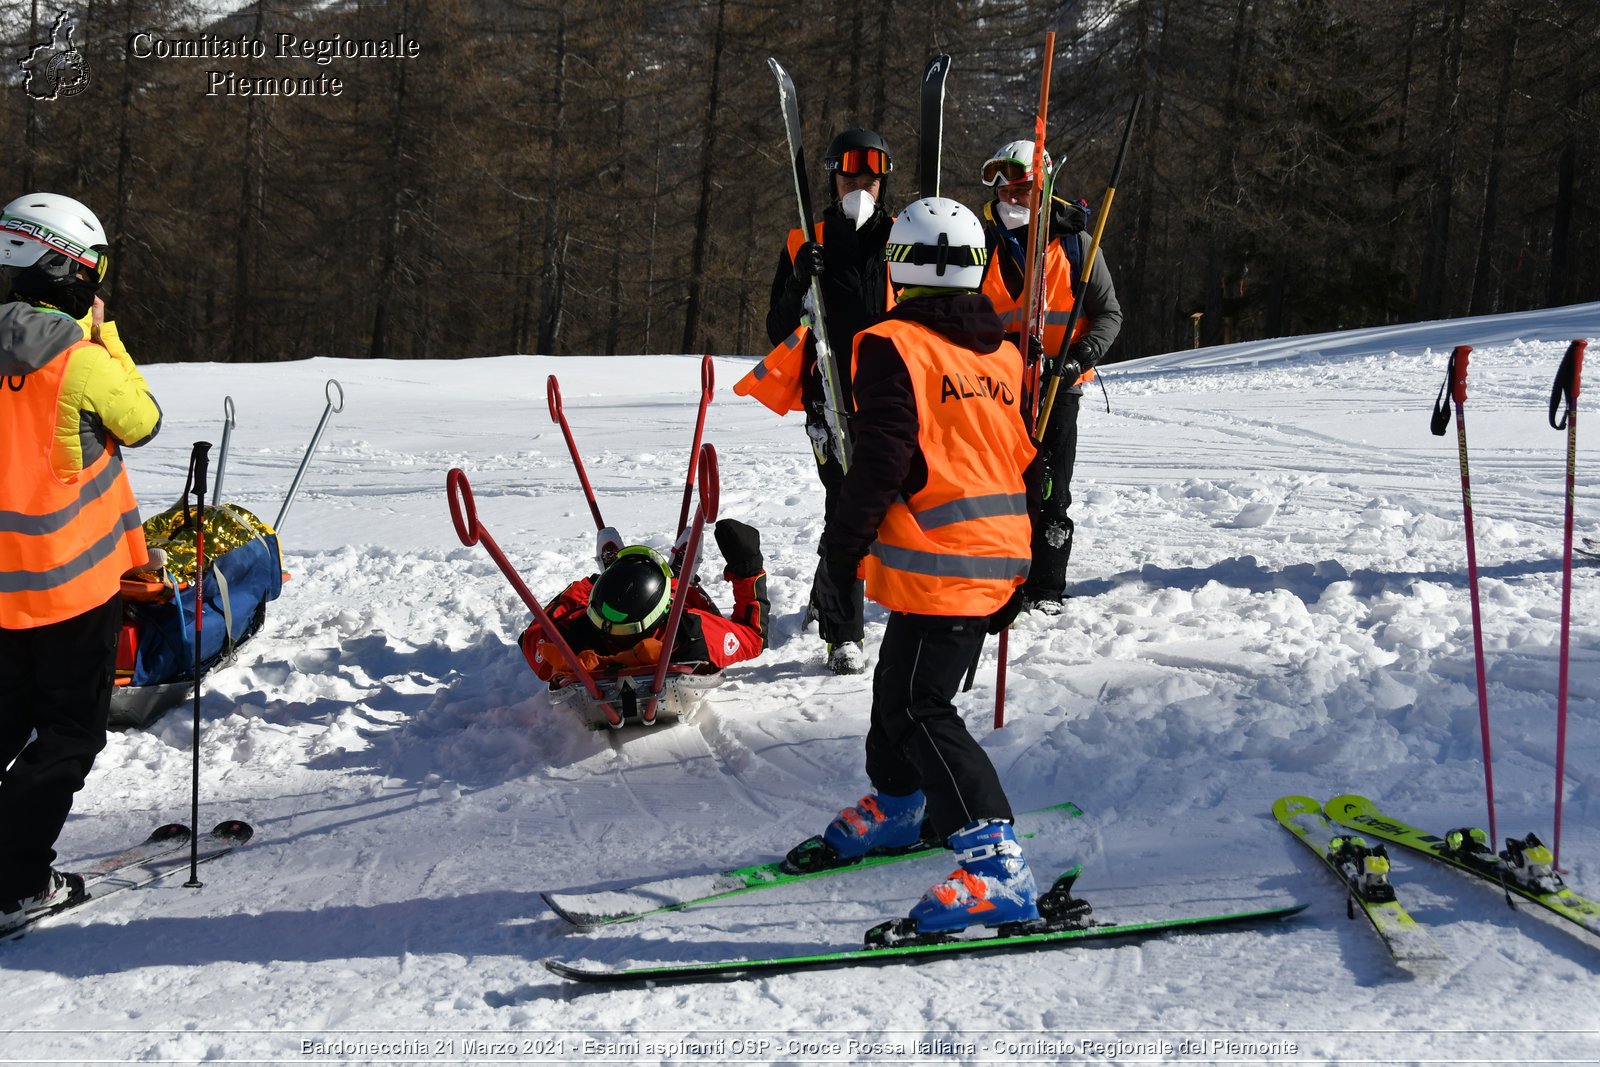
55 68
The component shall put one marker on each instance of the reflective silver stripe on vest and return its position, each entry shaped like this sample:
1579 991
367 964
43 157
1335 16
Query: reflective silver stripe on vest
1010 320
83 563
976 507
940 565
1056 318
762 370
18 523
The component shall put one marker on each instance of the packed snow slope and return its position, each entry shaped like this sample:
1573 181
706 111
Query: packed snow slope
1270 597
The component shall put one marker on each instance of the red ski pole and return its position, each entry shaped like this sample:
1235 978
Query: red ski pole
1456 383
1568 381
708 382
464 514
707 512
559 417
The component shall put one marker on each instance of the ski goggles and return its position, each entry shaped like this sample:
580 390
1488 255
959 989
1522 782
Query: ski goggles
61 248
1000 172
854 162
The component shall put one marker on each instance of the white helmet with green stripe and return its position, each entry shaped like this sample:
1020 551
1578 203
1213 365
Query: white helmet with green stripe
937 242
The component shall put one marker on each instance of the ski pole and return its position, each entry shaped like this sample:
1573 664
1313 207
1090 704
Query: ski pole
197 482
1038 195
464 514
1455 382
708 382
710 490
1568 381
1053 377
333 407
559 416
1000 680
222 453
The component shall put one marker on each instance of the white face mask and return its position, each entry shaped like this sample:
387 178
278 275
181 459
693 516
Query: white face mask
858 206
1011 215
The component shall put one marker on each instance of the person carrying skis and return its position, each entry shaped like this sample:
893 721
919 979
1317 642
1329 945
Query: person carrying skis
69 529
1009 172
845 250
613 621
934 512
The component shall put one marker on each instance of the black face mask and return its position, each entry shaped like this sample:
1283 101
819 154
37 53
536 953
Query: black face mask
74 295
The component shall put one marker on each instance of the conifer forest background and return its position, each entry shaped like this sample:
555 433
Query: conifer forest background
610 176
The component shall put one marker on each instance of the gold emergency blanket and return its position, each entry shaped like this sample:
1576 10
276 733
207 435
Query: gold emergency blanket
227 527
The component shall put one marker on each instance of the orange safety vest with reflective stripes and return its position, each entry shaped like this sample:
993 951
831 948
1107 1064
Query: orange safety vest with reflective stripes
776 380
64 540
1058 300
961 544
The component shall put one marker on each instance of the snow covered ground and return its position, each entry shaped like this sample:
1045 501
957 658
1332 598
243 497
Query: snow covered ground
1271 598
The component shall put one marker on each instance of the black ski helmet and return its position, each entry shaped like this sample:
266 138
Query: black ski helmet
859 138
632 594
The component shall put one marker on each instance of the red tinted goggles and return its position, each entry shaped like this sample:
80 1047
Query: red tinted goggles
854 162
1002 172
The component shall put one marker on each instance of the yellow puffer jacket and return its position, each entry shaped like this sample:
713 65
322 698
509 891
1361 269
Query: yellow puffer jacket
103 393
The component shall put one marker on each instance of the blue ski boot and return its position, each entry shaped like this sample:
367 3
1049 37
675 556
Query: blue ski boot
878 824
992 886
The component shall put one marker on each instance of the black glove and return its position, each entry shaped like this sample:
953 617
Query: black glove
1084 352
741 547
1035 350
1002 619
833 589
807 265
1068 217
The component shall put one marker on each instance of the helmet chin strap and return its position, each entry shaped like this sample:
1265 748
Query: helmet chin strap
858 206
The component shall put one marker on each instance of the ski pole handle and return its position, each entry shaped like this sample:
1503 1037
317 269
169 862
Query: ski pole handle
1458 373
1569 380
708 383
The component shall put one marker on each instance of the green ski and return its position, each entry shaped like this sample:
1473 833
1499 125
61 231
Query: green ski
607 908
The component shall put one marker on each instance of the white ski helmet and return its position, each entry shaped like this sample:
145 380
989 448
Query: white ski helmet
38 223
937 241
1011 163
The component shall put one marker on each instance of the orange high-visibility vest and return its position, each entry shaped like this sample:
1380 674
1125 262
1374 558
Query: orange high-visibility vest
1058 300
776 380
961 544
64 540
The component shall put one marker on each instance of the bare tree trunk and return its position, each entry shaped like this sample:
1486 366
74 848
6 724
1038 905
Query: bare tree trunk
1431 301
389 241
1485 294
551 294
709 157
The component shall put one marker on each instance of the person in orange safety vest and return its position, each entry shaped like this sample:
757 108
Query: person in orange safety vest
71 400
934 513
1009 172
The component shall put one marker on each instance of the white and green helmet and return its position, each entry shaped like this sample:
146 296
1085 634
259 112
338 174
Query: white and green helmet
1011 163
32 226
937 242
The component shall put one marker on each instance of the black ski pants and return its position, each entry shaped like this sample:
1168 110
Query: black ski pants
917 739
1052 533
853 626
55 686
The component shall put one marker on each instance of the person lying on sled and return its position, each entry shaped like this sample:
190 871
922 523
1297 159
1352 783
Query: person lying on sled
614 621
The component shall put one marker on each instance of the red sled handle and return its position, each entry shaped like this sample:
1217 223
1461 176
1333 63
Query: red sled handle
464 514
704 514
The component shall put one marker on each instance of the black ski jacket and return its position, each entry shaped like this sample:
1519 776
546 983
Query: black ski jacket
854 280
